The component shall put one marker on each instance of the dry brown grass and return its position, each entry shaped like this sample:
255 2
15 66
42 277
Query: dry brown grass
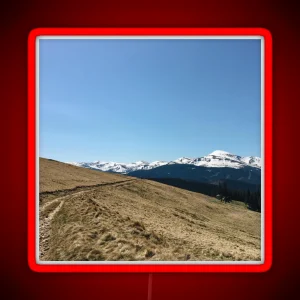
56 176
144 220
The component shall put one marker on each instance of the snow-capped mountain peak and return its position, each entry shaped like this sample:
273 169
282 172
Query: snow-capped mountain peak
220 153
141 162
183 160
218 159
158 163
252 160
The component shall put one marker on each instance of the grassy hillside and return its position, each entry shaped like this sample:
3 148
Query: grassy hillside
55 176
138 220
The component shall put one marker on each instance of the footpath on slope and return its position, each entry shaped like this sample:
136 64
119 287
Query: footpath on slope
51 208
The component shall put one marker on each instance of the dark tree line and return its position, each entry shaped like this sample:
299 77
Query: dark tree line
251 198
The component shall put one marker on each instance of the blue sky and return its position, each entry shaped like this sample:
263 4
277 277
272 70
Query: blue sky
130 100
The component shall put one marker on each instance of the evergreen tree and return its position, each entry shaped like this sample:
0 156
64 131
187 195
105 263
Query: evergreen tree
225 189
220 188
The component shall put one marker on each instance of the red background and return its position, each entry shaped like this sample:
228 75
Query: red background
18 280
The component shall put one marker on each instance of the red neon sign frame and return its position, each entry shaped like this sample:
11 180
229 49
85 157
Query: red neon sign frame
115 267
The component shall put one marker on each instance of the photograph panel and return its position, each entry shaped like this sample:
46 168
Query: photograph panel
150 150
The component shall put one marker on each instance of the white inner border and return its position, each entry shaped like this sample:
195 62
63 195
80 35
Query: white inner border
128 37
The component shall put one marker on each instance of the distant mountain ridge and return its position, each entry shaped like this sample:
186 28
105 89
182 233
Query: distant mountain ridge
216 159
213 175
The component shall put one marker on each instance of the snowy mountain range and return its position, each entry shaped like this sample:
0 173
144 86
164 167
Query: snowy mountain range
216 159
